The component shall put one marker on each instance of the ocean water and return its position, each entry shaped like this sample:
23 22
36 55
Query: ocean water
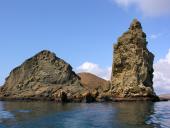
81 115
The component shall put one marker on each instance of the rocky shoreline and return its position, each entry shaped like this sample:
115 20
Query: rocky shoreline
87 99
46 77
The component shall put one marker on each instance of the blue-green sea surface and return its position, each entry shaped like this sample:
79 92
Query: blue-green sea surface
82 115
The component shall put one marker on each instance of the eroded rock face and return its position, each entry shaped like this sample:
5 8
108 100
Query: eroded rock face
44 76
132 70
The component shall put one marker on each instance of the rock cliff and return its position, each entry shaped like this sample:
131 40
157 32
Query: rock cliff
132 70
44 76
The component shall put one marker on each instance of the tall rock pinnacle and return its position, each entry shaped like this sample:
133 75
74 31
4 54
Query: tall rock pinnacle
132 70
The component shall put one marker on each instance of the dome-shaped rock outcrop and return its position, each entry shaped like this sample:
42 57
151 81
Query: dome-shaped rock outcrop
44 76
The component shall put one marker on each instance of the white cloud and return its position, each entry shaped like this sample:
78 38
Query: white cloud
104 73
147 7
162 75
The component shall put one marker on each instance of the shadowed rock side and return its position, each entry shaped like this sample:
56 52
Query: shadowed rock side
43 77
132 70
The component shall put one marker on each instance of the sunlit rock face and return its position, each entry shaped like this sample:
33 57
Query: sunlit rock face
132 70
43 76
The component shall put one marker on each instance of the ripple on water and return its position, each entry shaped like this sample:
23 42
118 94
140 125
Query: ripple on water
5 115
23 111
161 115
97 115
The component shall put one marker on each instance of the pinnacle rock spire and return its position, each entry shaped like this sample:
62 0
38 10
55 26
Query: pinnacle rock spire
132 70
135 25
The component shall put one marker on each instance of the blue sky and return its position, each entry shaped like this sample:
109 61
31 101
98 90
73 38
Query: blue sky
80 31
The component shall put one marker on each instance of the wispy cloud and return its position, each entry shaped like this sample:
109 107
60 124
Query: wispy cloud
155 36
152 8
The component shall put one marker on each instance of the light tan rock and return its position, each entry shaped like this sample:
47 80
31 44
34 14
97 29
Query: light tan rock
132 70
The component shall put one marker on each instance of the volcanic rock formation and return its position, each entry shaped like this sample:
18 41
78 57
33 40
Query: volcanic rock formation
132 70
47 77
44 76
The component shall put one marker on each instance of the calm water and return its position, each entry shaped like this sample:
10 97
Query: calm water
96 115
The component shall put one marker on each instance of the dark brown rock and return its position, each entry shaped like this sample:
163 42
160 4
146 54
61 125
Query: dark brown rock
88 97
93 82
97 87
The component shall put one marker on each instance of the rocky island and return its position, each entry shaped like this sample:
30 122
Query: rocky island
47 77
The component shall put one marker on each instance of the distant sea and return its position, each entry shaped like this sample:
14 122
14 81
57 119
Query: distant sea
82 115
